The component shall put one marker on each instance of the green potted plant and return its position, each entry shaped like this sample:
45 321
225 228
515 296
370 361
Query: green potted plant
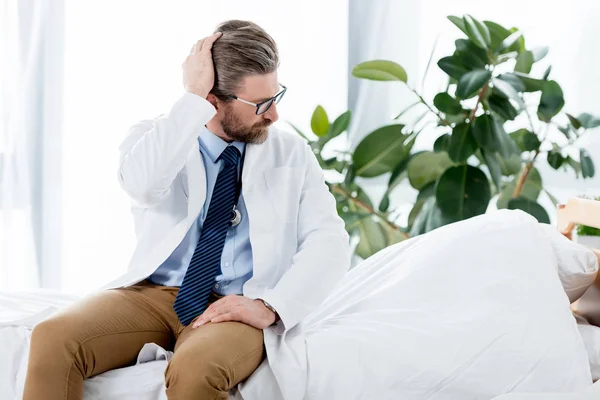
476 159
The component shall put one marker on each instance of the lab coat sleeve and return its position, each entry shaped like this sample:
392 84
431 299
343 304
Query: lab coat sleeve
323 255
154 151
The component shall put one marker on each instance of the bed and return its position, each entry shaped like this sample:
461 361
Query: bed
144 381
20 311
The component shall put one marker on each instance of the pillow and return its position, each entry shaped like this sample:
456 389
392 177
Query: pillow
577 264
591 339
468 311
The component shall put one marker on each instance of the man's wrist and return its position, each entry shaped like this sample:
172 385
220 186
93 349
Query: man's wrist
272 309
198 91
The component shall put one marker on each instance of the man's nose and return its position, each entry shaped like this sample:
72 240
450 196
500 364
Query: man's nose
272 113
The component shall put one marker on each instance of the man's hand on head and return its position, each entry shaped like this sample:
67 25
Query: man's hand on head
251 312
198 67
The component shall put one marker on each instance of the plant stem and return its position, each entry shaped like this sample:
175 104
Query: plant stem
437 113
528 167
524 175
481 93
366 207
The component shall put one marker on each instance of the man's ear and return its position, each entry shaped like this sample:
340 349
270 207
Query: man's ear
212 99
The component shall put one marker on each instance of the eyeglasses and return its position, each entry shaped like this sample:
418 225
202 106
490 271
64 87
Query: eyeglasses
264 106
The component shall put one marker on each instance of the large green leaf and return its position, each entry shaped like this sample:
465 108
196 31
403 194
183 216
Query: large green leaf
508 147
526 140
400 172
477 32
519 46
456 119
547 73
574 122
471 82
392 235
462 143
531 207
419 214
384 204
551 102
555 159
446 103
319 122
426 216
497 33
412 216
340 124
453 66
436 219
587 165
471 56
509 91
509 41
539 53
502 107
353 219
427 167
350 175
524 62
491 160
372 238
380 151
463 192
459 22
441 143
513 80
360 194
588 121
510 165
380 70
531 84
484 133
531 189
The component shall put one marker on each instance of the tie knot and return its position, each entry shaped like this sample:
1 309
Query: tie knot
230 156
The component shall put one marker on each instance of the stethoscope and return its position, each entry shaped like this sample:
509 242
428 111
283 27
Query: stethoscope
236 215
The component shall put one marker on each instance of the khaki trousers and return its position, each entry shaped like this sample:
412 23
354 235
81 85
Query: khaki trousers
106 330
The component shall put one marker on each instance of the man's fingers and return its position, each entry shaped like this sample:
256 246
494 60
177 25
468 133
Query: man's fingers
208 42
197 46
224 317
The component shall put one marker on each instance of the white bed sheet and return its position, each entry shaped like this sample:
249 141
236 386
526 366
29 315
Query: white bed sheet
144 381
18 314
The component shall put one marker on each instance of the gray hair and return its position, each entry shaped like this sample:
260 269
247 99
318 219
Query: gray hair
244 49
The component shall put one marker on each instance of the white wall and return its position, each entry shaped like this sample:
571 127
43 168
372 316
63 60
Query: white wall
123 61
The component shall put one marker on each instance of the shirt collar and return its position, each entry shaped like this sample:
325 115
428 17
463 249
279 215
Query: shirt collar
214 145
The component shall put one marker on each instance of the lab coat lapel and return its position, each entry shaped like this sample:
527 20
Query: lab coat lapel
196 175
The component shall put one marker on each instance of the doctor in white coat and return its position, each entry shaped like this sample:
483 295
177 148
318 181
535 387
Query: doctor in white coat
210 284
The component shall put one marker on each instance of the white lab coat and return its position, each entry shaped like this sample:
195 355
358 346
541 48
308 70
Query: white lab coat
299 244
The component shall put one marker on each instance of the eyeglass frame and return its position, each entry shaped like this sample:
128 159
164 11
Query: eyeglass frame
272 100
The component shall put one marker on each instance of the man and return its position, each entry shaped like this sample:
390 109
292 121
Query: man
238 236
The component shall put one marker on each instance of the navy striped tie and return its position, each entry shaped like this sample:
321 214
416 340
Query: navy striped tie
205 265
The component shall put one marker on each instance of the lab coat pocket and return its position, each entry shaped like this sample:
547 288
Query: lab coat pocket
285 186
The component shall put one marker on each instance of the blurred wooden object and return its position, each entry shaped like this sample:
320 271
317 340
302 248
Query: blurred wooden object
578 211
584 212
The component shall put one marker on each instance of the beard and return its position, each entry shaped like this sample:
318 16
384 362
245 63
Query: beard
234 128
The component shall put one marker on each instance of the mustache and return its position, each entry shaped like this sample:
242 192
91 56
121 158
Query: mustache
263 124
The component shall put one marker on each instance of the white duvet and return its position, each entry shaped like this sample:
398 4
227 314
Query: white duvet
470 311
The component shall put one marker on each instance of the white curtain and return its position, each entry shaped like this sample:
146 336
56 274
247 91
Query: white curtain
29 144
